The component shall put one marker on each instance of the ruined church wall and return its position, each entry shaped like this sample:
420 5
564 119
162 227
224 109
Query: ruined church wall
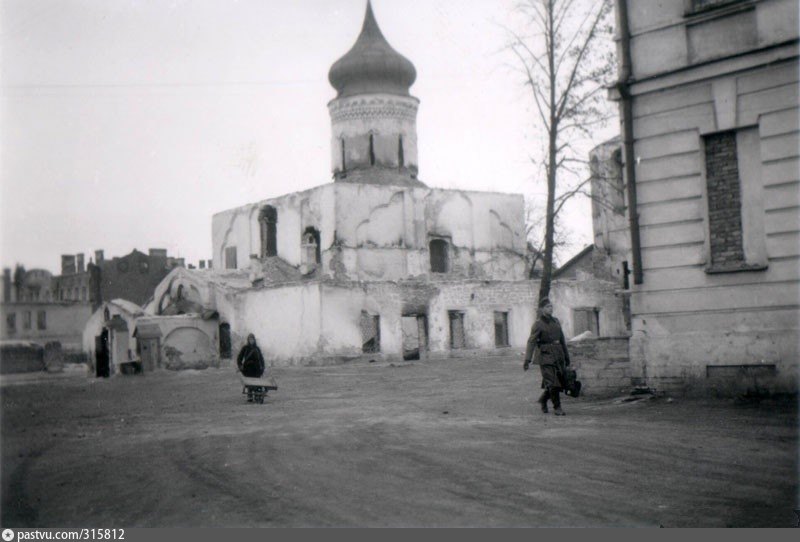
383 233
240 227
285 321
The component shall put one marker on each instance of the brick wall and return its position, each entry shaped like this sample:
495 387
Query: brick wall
603 365
724 200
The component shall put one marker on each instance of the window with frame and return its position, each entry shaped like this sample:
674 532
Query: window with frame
26 320
41 320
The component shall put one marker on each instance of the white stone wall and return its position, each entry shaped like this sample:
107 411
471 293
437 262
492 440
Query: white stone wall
739 73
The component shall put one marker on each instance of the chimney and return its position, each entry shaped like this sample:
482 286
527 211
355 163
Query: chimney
6 284
202 264
79 263
98 257
67 264
158 253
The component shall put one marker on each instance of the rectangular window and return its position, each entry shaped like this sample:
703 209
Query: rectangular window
500 329
724 199
439 257
370 333
41 320
26 320
457 338
586 319
230 258
11 323
734 191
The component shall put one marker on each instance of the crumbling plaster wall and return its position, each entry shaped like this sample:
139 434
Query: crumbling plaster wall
285 321
479 300
187 341
588 292
296 211
383 232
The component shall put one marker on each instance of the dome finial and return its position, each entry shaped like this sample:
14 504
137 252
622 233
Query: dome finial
371 65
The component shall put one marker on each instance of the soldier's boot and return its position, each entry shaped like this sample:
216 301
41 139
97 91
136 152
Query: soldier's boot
554 395
543 400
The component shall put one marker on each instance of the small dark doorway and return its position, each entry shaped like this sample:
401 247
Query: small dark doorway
415 336
101 354
500 329
457 338
370 333
225 350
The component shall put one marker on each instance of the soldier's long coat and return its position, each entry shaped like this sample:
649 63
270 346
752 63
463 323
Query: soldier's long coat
548 349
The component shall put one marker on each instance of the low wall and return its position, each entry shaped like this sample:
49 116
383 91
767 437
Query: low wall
603 365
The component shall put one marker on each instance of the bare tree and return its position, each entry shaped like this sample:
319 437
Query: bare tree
566 58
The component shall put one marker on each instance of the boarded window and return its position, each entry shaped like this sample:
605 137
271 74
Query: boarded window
11 323
457 338
586 319
268 220
724 199
439 257
41 320
370 333
26 320
501 329
230 258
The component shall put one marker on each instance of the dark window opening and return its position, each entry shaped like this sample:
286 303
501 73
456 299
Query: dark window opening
225 349
370 333
457 336
26 320
401 156
230 258
41 320
584 320
106 314
344 163
311 240
371 150
268 219
11 323
500 329
439 255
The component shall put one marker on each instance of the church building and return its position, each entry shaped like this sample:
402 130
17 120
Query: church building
375 263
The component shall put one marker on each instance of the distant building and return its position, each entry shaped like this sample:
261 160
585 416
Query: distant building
709 98
37 306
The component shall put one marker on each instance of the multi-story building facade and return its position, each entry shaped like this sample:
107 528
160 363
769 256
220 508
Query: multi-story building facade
709 101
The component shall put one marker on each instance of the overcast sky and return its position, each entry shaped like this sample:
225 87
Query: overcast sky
128 123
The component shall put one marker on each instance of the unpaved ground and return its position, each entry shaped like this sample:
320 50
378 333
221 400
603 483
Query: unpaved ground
448 443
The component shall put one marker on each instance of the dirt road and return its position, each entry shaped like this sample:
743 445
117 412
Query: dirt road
448 443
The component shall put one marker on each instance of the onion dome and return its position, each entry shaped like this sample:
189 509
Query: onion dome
371 65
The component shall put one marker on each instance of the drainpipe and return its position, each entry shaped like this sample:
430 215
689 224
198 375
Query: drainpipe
623 85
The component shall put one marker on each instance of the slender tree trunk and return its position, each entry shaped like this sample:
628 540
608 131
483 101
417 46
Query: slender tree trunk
549 230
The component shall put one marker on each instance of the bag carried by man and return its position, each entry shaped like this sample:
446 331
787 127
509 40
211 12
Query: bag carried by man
572 386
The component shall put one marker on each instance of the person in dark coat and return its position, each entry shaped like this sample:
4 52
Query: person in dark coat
548 348
250 361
